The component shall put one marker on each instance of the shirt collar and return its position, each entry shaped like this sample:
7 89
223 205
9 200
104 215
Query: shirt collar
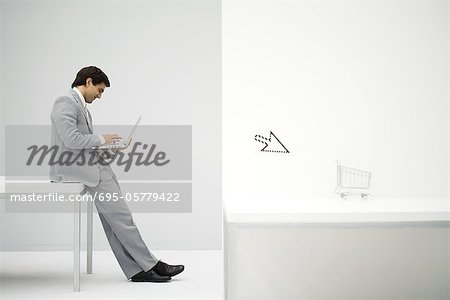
83 102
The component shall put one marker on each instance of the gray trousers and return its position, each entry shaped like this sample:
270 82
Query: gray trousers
123 235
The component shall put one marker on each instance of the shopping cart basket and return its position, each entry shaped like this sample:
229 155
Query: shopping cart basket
352 181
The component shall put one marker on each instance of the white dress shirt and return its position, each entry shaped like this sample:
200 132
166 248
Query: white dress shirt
83 102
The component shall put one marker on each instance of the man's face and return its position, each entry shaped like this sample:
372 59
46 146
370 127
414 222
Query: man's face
93 91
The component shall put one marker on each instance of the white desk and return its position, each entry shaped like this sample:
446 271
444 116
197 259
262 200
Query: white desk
44 186
336 210
394 248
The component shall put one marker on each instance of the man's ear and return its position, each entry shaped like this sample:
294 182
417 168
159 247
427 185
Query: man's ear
88 81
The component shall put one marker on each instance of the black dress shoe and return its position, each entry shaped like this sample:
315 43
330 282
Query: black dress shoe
149 276
167 270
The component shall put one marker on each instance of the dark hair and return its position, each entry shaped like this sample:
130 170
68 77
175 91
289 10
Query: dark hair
95 73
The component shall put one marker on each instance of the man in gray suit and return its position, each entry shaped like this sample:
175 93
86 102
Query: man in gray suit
72 132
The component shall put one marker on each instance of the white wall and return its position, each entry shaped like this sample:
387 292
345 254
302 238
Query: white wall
2 133
163 60
364 82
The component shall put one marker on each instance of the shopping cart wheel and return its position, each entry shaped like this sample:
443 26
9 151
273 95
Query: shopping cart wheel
343 196
364 196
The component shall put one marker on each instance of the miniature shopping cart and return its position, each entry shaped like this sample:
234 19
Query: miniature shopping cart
352 181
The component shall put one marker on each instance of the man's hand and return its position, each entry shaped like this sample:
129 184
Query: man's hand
110 138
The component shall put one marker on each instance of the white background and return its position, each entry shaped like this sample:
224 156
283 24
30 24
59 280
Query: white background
163 61
364 82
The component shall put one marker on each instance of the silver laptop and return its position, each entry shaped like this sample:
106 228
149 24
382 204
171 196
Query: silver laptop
121 143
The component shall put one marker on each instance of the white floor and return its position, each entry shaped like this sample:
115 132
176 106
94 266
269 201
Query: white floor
48 275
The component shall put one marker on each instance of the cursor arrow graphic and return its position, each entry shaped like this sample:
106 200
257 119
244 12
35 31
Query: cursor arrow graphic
272 144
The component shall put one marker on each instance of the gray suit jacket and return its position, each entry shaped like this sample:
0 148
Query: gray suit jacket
71 133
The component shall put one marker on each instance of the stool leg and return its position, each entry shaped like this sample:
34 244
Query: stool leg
76 246
90 213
